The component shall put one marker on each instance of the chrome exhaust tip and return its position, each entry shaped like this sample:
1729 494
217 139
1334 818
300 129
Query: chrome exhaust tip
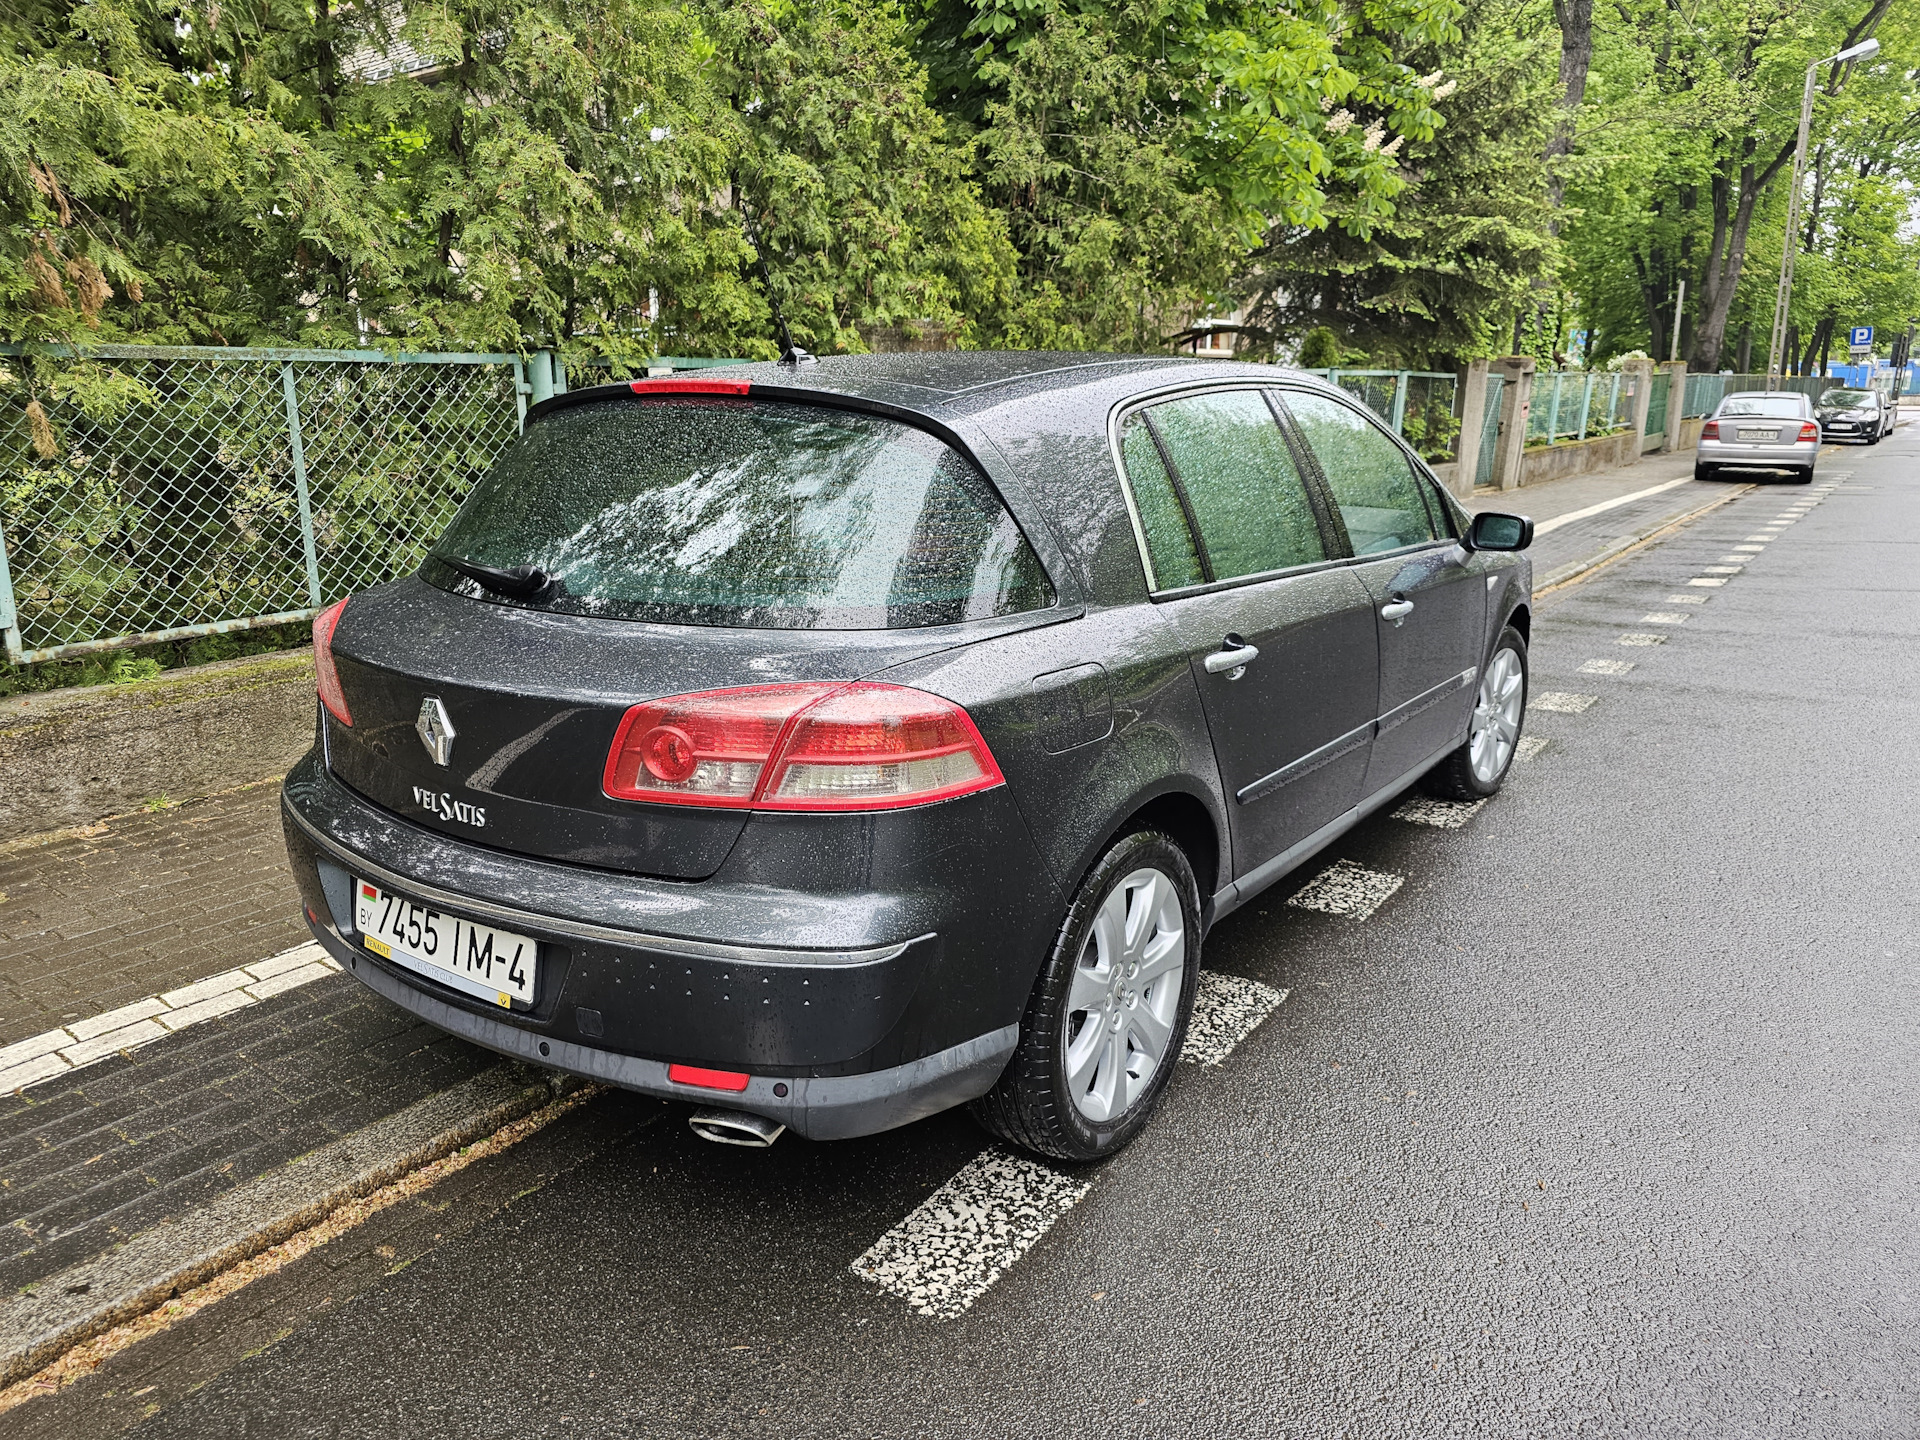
736 1127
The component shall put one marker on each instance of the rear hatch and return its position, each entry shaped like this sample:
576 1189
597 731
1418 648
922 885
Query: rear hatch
658 545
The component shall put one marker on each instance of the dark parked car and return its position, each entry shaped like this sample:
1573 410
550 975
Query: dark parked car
835 744
1860 415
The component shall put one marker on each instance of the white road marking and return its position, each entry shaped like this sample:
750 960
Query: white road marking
99 1037
1763 539
1605 667
1688 599
1705 580
1441 814
1739 559
1723 569
1546 527
1560 702
964 1236
1529 746
1664 617
1226 1009
1750 549
1639 638
1344 888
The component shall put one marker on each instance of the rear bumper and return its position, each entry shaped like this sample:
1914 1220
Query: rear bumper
871 1001
818 1107
1797 456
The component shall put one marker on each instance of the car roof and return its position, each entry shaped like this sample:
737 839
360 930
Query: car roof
948 384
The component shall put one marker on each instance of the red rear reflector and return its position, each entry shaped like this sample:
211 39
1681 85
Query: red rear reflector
668 385
814 746
1809 431
1710 430
706 1079
326 677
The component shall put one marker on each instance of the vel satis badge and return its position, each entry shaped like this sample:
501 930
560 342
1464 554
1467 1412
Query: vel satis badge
435 730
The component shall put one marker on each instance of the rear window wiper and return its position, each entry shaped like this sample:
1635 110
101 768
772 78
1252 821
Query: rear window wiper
522 582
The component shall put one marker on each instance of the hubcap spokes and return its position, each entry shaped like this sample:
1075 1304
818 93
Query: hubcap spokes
1496 717
1124 995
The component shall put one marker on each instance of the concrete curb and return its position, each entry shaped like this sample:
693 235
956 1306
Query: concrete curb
46 1319
1579 569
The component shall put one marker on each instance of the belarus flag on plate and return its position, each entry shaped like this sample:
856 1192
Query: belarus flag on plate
368 891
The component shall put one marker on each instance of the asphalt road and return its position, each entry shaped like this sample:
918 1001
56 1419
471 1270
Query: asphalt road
1604 1123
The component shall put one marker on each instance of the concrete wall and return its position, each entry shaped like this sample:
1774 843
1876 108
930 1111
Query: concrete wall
1578 457
70 757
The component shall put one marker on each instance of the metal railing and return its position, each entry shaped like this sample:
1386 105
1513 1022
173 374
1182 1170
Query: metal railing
1419 405
1705 392
1578 405
160 493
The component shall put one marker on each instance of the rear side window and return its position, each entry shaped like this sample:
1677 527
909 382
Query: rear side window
746 513
1232 465
1162 522
1370 478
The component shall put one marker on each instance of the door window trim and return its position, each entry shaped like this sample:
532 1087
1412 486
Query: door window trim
1421 479
1309 478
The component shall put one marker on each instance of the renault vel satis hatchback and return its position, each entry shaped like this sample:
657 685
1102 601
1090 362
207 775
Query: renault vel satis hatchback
832 744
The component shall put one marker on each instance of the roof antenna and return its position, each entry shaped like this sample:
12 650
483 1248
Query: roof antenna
790 353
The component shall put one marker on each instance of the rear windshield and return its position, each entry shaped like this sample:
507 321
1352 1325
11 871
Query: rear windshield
741 512
1846 400
1774 407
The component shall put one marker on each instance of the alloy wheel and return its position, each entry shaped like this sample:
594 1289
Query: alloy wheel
1496 717
1125 995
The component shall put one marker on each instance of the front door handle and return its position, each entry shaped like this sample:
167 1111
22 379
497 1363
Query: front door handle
1396 610
1233 662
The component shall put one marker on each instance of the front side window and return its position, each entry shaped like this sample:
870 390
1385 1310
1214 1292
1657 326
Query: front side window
1240 483
1371 480
713 511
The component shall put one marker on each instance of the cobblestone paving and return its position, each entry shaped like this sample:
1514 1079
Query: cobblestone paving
92 922
125 1144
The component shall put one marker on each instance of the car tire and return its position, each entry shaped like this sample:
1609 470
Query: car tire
1479 767
1074 1093
1705 472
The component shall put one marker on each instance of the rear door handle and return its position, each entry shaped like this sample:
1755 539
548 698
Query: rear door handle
1396 610
1225 661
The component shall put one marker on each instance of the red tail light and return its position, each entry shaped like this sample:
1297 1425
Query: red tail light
1809 431
668 385
862 746
1710 430
325 674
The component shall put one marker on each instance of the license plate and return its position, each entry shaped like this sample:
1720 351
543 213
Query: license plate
1758 434
495 964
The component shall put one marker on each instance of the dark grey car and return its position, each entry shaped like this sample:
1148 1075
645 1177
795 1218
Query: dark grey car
830 745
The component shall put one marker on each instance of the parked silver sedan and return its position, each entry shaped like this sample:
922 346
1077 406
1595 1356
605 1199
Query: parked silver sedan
1760 429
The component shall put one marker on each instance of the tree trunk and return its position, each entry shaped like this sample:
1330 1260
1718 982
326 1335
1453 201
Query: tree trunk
1575 18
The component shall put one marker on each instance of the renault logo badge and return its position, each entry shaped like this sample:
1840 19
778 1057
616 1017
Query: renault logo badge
436 730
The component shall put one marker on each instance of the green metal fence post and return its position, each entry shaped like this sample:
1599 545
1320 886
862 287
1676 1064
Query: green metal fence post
1400 384
1586 404
9 615
1553 410
300 486
520 390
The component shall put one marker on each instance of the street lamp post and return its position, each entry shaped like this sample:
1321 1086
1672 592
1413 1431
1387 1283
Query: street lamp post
1861 51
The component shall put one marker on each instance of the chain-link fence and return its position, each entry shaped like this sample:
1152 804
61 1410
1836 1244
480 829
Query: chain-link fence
152 493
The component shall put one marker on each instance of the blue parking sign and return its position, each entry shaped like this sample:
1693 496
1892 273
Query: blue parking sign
1860 337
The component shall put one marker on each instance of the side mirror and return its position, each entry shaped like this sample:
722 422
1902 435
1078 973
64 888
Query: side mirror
1494 531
